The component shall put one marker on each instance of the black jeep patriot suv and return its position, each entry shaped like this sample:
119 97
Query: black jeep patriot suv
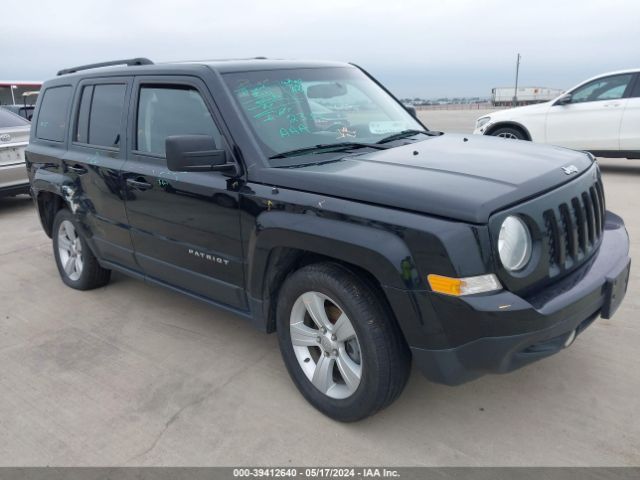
363 243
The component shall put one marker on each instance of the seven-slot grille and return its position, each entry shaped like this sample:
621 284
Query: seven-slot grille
574 228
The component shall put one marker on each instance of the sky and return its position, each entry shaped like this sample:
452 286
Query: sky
425 49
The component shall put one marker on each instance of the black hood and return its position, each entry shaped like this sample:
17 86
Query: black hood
454 176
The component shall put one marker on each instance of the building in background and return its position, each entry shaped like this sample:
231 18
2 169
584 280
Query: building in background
503 96
11 92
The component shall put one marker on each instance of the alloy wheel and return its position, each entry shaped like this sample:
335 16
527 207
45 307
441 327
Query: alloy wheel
70 250
326 345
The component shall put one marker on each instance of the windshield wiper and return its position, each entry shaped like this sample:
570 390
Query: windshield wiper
328 147
408 133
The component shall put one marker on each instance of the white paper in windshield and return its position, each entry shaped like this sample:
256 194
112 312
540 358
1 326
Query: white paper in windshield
386 127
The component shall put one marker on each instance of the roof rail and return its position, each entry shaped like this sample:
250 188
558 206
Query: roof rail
129 62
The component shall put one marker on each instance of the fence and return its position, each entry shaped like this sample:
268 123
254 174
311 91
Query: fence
459 106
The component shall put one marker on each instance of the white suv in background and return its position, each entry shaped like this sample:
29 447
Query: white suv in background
600 115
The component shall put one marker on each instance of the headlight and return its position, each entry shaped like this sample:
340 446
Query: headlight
514 244
482 121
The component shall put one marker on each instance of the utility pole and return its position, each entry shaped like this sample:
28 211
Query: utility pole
515 91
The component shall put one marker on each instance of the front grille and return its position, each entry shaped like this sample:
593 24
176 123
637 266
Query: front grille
574 228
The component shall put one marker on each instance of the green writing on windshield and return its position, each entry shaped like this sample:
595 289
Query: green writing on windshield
279 103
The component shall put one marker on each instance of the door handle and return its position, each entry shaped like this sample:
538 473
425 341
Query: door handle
139 183
79 169
611 104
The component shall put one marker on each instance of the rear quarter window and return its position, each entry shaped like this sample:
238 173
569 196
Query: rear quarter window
52 119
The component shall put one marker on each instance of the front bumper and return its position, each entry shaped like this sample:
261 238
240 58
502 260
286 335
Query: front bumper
512 331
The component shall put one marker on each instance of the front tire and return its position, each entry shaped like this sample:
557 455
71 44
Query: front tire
77 265
342 349
509 133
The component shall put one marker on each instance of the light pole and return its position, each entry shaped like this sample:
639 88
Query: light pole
515 91
13 97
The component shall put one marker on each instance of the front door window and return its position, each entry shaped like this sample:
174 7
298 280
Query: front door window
608 88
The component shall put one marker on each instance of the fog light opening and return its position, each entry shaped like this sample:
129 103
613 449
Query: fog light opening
570 338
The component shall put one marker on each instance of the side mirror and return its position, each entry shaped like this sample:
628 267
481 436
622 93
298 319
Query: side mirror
564 99
195 153
412 110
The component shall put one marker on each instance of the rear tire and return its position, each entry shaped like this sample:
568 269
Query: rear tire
509 133
77 265
347 357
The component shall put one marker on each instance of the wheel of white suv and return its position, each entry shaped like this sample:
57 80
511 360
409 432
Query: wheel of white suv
77 265
509 133
341 346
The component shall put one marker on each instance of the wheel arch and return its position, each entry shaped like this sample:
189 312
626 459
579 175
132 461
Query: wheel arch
52 191
509 124
49 203
286 242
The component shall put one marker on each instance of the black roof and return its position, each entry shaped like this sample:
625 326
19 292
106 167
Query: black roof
143 65
243 65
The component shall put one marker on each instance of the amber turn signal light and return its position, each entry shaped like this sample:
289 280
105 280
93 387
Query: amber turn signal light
463 286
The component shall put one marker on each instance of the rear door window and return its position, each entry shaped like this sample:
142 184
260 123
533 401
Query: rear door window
105 115
82 125
52 119
636 90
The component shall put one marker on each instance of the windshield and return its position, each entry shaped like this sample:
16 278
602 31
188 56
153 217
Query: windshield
294 109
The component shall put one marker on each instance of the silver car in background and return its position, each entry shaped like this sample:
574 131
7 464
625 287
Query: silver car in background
14 137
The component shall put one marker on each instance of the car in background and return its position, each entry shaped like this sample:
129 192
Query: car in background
600 115
28 105
25 111
14 137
